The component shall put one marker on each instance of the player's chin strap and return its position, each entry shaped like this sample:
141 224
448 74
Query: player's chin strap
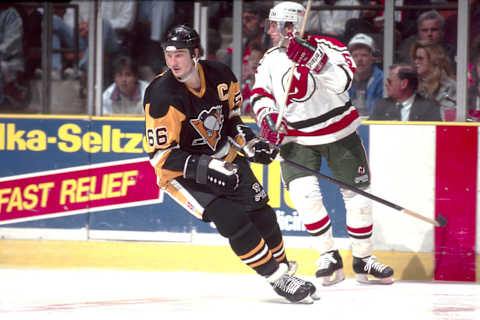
195 69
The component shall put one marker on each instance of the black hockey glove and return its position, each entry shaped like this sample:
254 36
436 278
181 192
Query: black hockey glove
207 170
261 151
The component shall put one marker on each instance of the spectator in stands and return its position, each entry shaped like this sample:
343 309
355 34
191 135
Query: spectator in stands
125 94
331 22
474 90
367 86
367 22
248 74
12 94
253 24
474 25
437 81
111 44
403 103
153 20
430 28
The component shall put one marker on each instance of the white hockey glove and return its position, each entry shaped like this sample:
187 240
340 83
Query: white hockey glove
213 172
261 151
307 54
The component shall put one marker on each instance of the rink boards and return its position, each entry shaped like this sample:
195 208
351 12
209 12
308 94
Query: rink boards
88 178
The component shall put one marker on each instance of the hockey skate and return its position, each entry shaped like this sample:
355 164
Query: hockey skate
330 268
292 267
290 287
370 266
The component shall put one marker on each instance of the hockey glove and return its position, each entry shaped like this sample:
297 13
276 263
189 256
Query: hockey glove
261 151
306 54
207 170
268 130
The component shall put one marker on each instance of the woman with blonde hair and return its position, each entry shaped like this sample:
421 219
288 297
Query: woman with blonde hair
437 81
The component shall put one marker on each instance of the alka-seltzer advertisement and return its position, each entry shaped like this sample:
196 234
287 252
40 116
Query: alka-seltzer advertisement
60 166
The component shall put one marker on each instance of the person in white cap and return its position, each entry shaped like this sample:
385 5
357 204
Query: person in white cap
367 86
320 122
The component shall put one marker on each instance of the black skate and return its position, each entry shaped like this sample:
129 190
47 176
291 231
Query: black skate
292 269
370 266
290 287
330 268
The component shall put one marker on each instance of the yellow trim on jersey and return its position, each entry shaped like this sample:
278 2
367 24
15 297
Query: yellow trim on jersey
203 84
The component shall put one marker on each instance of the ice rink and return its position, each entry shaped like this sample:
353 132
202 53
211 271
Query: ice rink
41 294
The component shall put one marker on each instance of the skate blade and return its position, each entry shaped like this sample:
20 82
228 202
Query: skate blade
315 296
306 300
336 277
363 278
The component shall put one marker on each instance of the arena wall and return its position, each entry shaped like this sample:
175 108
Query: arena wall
78 191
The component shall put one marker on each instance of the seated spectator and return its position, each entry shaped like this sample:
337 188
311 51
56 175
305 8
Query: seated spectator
474 91
430 28
125 95
111 44
451 23
253 32
248 76
12 93
153 20
403 102
370 22
437 81
367 86
330 22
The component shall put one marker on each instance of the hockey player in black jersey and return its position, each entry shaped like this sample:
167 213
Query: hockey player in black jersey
195 134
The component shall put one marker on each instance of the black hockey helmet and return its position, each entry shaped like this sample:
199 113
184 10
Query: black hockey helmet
181 37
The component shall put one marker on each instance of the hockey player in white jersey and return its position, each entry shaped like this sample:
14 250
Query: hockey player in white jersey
319 122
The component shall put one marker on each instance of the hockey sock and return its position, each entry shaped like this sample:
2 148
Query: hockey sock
244 238
266 223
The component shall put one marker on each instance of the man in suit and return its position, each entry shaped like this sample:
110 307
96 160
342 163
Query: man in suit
403 103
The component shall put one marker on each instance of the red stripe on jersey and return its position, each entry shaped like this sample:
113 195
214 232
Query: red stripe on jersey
318 225
334 127
262 92
360 230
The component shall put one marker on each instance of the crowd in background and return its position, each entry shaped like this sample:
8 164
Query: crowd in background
425 42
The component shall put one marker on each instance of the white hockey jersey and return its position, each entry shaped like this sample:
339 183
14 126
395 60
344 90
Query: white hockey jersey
319 109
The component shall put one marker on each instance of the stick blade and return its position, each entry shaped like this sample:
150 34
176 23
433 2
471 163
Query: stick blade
441 220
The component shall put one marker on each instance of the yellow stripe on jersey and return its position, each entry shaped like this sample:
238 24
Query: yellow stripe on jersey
161 134
234 99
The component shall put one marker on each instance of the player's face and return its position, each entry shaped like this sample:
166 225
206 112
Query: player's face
274 31
126 81
421 61
180 62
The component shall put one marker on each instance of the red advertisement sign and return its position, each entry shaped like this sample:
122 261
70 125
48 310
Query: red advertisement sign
75 190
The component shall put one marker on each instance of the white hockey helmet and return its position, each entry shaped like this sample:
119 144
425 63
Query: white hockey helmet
287 11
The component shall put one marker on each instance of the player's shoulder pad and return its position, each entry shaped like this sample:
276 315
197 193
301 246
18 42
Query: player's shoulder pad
217 70
329 42
164 91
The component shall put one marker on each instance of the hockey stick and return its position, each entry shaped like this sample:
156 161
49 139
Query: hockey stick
281 111
439 222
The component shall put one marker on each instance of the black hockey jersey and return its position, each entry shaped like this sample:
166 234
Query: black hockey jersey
180 121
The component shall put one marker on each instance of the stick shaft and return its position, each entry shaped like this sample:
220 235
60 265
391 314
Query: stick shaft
283 107
363 193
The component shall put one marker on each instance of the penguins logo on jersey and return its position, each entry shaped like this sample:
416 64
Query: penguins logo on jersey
208 125
303 85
